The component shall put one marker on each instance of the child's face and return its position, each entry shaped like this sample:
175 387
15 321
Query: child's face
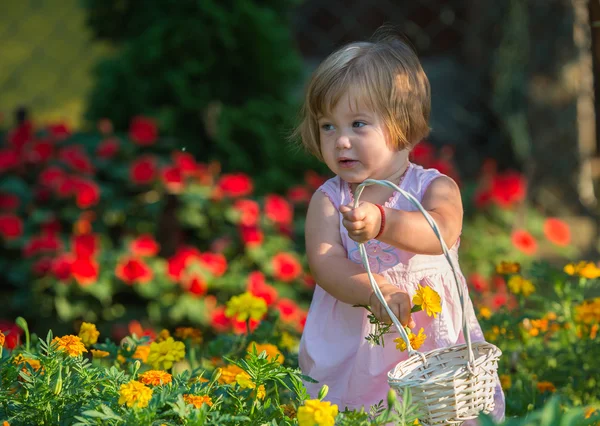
354 143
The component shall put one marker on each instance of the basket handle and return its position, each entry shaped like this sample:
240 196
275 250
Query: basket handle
431 221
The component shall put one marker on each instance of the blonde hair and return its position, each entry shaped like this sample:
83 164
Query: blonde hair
386 75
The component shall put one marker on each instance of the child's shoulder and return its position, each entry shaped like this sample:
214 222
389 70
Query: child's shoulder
333 189
422 177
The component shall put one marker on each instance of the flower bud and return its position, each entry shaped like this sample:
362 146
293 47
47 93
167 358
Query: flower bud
391 398
323 392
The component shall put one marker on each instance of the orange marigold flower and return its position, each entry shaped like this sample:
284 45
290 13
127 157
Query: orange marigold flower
524 241
70 344
191 333
505 268
99 354
557 232
271 350
142 352
197 400
229 373
155 377
88 333
546 387
2 339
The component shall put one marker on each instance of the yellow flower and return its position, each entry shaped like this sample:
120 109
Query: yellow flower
163 335
416 340
135 394
428 299
246 306
197 400
518 284
155 378
142 352
33 363
505 381
583 269
229 373
88 333
546 387
70 344
2 339
288 341
588 312
244 381
261 392
505 268
191 333
163 355
99 354
485 312
589 412
315 412
271 350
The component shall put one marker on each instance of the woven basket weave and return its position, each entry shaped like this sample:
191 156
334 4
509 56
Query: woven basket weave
450 385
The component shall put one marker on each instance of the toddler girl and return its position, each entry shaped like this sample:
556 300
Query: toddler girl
366 107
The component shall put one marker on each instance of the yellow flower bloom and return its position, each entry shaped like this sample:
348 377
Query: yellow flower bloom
88 333
163 335
142 352
583 269
506 268
416 340
70 344
519 285
163 355
271 350
229 373
428 299
546 387
197 400
33 363
505 381
244 381
288 341
315 412
588 312
261 392
99 354
589 412
191 333
485 312
135 394
245 306
2 339
155 378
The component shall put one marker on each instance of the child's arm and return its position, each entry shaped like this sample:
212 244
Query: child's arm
335 273
410 231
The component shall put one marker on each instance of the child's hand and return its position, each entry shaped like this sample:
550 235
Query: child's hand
363 222
397 300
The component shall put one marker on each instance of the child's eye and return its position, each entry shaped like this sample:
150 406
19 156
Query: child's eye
326 127
359 124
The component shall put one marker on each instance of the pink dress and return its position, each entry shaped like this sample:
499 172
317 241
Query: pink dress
333 349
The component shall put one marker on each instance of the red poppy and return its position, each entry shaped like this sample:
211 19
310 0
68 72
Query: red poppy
499 300
144 245
309 281
85 246
185 162
478 282
42 266
62 267
39 152
286 267
298 194
302 315
499 283
278 210
143 170
76 159
8 201
235 185
108 148
508 188
216 263
241 327
46 242
143 131
51 226
52 176
195 284
557 232
257 286
313 179
172 179
13 334
249 211
218 320
11 226
178 262
20 135
288 309
59 131
85 271
135 327
87 193
482 199
131 270
524 241
251 236
9 159
423 154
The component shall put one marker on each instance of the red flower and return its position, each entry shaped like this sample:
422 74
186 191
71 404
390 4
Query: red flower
59 131
478 282
42 266
286 267
62 267
180 260
499 300
257 286
87 193
85 246
524 241
39 152
218 320
8 201
482 199
278 210
143 131
314 180
235 185
216 263
301 320
249 211
105 126
9 159
240 327
108 148
76 159
298 194
172 179
423 153
508 189
20 135
557 232
131 270
288 309
251 236
195 284
185 162
11 226
85 271
135 327
309 281
220 244
46 242
52 176
12 333
143 170
144 245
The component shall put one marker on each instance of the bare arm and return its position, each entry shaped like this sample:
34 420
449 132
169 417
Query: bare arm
410 231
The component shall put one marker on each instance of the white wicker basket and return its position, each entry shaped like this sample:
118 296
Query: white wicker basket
450 385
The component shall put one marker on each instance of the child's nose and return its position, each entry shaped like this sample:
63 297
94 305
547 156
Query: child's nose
343 142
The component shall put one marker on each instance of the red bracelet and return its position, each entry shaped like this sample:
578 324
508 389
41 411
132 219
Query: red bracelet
382 220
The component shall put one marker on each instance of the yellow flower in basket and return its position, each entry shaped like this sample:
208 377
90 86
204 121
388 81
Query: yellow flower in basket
428 300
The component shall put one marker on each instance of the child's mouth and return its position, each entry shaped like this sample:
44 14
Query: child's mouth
347 163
